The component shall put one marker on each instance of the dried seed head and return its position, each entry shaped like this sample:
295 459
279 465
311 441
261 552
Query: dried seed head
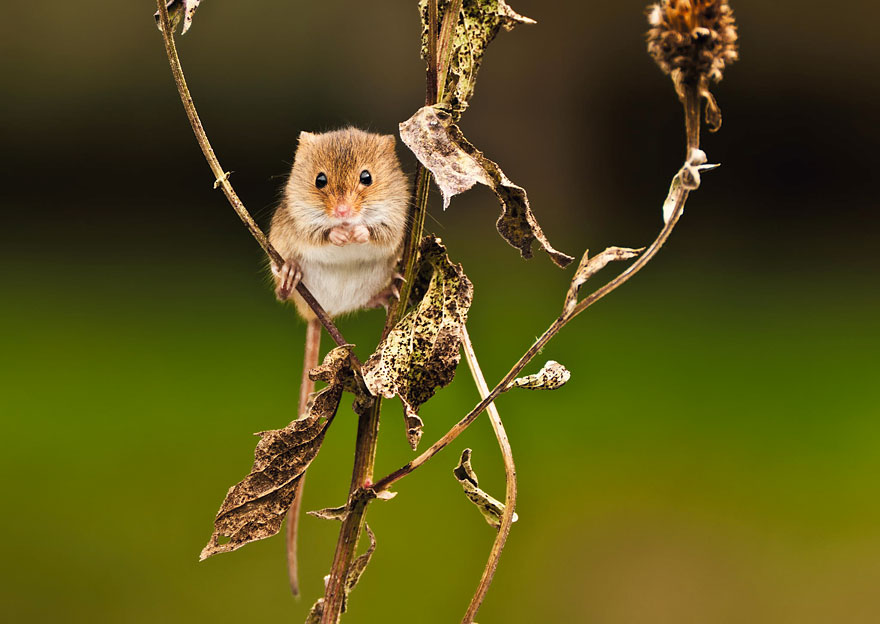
692 39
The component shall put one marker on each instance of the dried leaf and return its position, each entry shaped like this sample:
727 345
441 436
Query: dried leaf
421 352
255 508
554 375
490 507
687 179
330 513
179 10
354 575
457 165
316 613
357 568
588 267
476 26
340 513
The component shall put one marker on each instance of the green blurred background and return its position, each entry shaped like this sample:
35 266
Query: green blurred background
715 456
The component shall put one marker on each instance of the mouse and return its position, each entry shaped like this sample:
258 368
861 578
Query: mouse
341 222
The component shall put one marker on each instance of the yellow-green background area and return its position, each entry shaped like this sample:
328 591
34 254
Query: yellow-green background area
714 458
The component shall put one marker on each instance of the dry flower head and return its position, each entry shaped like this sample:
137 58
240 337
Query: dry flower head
693 41
695 37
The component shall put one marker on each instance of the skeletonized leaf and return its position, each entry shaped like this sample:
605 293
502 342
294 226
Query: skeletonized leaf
255 508
475 27
457 165
588 267
554 375
490 507
179 10
421 352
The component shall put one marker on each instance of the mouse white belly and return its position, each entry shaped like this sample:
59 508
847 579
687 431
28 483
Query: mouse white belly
344 278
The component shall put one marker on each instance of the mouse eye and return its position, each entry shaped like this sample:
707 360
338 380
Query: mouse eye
366 178
321 180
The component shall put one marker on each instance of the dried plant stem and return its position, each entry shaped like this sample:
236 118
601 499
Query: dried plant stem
691 103
352 525
311 357
692 122
411 246
291 533
509 472
222 178
368 424
431 80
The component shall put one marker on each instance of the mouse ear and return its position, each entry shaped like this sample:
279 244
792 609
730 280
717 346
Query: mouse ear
305 137
389 141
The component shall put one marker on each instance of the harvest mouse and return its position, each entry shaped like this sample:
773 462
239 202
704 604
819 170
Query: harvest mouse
341 222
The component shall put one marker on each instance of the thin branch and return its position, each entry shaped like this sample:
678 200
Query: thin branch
431 80
222 178
509 472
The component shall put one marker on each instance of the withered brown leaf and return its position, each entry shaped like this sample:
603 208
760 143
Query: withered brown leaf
341 513
255 507
590 266
355 572
475 27
421 352
553 376
457 165
490 507
357 568
179 10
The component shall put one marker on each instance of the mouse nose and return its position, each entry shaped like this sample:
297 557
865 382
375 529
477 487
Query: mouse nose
342 211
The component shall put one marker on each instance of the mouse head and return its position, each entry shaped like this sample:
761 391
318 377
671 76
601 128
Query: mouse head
344 174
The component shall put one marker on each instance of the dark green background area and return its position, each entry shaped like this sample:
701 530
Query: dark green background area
715 456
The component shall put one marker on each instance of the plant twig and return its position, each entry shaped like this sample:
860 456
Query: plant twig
368 424
221 177
431 80
509 472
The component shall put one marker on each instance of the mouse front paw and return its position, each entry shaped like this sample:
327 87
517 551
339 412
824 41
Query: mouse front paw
287 278
339 236
360 234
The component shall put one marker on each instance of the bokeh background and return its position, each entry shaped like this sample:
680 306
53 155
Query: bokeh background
715 457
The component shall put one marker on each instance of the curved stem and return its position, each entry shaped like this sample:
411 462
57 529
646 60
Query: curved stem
509 472
222 178
551 331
